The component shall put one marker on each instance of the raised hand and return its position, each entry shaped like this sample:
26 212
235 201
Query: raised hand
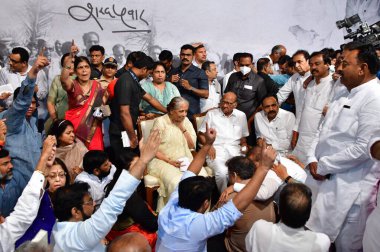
150 148
3 130
210 135
40 63
268 155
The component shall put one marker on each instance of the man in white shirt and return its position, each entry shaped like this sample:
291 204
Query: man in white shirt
315 99
78 228
26 209
289 234
275 125
214 89
16 71
339 157
295 83
233 124
98 172
235 61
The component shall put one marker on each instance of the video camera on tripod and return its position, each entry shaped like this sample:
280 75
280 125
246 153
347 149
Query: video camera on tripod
367 34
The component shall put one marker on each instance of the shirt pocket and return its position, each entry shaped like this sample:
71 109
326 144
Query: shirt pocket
346 121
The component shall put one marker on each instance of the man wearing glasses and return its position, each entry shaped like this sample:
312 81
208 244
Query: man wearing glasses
15 72
233 124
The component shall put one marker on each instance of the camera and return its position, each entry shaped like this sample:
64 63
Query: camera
366 34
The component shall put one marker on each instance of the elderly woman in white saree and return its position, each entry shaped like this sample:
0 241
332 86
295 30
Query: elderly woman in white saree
178 137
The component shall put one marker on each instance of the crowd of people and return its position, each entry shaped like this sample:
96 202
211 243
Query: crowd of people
286 157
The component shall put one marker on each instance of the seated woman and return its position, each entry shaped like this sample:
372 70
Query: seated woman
177 139
83 96
69 149
58 176
160 89
136 216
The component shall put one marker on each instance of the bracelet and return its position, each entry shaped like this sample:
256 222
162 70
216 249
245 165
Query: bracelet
287 179
192 89
183 132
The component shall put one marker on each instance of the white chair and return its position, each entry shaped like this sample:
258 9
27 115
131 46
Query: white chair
151 183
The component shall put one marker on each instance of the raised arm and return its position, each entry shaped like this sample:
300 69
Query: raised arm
28 204
245 196
154 102
16 113
67 82
199 159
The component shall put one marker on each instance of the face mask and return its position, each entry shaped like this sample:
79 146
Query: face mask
245 70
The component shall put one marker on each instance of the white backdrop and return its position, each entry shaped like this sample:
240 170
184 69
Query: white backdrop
225 26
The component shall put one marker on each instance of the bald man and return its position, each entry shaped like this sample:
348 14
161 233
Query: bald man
130 242
232 126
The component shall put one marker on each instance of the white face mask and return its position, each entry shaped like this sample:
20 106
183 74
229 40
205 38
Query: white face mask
245 70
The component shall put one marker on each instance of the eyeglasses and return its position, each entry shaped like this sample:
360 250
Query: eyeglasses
227 103
13 61
89 203
57 175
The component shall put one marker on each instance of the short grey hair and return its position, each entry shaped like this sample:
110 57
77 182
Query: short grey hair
175 102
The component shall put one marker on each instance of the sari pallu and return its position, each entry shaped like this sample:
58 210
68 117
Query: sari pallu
86 127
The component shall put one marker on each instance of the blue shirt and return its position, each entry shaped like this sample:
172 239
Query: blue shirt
181 229
12 191
280 79
86 235
197 79
23 139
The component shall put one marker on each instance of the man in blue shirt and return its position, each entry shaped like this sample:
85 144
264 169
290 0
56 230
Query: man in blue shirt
191 81
183 224
23 140
78 227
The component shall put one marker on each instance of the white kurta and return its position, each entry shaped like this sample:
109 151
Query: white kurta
315 99
342 152
227 143
295 85
277 132
24 213
268 236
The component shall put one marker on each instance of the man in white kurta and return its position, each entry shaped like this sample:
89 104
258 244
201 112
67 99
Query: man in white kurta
295 83
214 88
315 99
275 125
341 161
232 127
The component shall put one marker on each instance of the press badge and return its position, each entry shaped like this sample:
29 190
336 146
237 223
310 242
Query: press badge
248 87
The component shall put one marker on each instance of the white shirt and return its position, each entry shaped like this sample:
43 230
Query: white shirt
213 99
272 182
315 99
86 235
295 85
268 236
24 213
230 128
226 78
277 132
341 150
96 185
